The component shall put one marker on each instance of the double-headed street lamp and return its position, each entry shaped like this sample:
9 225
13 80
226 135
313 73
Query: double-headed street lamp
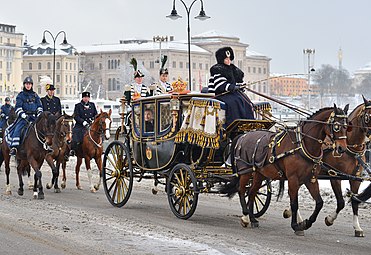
201 16
64 43
160 39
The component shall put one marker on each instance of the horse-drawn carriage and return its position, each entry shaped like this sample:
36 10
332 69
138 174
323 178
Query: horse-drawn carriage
185 147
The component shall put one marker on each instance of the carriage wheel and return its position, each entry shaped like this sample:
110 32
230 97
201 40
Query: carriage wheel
263 197
182 191
117 173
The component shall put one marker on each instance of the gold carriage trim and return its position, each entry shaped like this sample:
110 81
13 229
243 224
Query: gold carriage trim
202 124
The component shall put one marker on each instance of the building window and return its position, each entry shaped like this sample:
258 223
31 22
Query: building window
113 84
58 78
58 91
109 84
66 91
264 70
187 65
39 66
70 91
115 64
200 66
58 65
74 66
100 66
180 64
174 64
29 66
48 65
70 78
248 69
254 69
193 65
109 64
151 64
118 63
259 70
70 66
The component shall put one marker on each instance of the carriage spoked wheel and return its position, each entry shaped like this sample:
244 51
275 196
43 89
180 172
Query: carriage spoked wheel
263 197
117 173
182 191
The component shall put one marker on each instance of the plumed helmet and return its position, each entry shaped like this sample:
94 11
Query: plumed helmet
138 73
163 70
7 99
224 53
28 80
49 87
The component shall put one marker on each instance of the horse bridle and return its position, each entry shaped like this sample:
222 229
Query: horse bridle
40 136
336 126
99 132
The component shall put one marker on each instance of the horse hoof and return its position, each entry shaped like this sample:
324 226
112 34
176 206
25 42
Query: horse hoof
48 186
254 224
40 196
79 187
328 222
244 222
93 190
359 233
57 190
20 192
63 185
8 192
287 214
96 187
154 191
30 186
35 195
299 232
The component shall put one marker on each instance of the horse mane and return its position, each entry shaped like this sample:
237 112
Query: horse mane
356 110
319 111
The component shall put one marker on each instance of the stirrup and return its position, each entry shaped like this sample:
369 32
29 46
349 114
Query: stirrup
72 153
13 152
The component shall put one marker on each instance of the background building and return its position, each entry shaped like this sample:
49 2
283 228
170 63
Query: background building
286 85
38 61
105 69
10 61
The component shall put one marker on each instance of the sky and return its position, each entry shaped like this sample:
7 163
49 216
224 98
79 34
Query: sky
279 29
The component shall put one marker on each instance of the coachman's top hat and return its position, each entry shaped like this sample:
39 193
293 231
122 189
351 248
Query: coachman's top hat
85 94
223 53
163 70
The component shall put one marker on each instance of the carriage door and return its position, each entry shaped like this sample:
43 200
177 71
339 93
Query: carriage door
165 135
148 144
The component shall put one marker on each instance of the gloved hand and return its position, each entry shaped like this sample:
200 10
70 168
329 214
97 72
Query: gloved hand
2 115
23 115
85 124
237 87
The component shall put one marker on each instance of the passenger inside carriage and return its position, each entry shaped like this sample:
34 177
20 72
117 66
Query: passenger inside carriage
148 120
225 80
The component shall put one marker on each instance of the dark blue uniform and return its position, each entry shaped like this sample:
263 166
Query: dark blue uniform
28 106
52 104
5 110
83 112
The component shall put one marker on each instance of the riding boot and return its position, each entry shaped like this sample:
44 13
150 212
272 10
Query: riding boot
73 148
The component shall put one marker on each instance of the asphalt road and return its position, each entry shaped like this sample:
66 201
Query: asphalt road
80 222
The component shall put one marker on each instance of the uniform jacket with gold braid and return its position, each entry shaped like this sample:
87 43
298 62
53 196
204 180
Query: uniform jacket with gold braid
52 104
144 92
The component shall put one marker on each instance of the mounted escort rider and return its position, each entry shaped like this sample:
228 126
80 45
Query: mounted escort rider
225 80
84 113
28 107
4 115
50 102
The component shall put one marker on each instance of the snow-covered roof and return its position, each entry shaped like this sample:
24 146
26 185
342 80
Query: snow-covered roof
253 54
285 75
148 46
365 69
214 34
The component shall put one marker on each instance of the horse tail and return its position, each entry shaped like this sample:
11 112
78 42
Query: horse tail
281 190
231 188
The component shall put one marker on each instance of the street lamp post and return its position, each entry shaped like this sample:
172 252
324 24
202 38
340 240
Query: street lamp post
64 43
309 53
160 39
201 16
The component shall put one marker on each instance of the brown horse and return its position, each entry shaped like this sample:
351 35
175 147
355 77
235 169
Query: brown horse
62 137
32 152
92 147
350 164
292 154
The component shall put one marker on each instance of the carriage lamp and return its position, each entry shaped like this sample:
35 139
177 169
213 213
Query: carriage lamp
174 104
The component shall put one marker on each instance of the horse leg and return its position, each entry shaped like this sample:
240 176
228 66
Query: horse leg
37 187
90 174
20 179
63 183
49 160
313 189
358 231
340 203
294 205
8 190
256 184
244 179
98 161
57 166
77 172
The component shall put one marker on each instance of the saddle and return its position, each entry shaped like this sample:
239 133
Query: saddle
248 157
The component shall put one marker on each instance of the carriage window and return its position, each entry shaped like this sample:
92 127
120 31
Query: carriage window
165 116
148 118
136 112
